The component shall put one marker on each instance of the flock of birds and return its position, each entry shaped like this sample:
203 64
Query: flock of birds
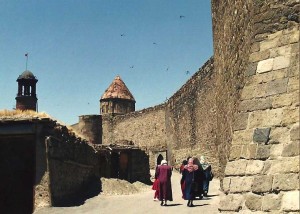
154 43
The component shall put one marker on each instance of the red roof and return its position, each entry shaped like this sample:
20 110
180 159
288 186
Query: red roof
117 89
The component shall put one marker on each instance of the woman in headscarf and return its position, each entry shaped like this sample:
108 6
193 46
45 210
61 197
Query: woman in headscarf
163 174
207 174
190 178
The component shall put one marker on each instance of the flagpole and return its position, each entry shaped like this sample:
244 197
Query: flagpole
26 55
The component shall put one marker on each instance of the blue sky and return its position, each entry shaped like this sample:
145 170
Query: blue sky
77 47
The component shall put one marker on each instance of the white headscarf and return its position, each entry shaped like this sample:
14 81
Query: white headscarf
204 163
163 162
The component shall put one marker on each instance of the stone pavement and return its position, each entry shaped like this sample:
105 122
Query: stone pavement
143 203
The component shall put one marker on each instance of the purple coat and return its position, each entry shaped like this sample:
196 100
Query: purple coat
164 173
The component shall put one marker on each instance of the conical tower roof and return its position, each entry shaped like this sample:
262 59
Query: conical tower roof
117 89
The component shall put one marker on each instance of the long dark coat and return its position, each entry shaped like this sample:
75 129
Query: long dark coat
187 179
164 173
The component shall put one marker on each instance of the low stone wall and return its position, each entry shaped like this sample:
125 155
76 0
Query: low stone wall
73 167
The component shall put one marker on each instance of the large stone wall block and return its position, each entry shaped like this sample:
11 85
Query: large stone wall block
277 86
285 165
276 151
240 121
286 182
265 118
281 51
235 152
253 202
279 135
268 44
291 149
249 151
255 104
253 91
271 202
262 184
293 84
242 137
236 168
281 62
290 116
251 69
259 56
265 65
240 184
231 202
261 135
290 201
263 152
294 36
282 100
254 167
295 132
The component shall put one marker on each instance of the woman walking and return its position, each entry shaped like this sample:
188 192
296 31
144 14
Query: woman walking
207 174
190 177
163 174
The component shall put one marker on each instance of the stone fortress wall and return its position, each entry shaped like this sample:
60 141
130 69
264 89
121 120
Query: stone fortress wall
261 137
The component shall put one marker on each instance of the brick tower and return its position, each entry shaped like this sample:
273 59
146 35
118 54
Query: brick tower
117 99
26 98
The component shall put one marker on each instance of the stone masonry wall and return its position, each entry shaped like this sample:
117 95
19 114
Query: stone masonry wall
184 126
145 128
73 166
231 36
191 119
262 174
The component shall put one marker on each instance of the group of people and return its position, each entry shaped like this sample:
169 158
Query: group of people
194 182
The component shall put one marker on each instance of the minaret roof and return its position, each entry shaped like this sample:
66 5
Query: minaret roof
117 89
26 75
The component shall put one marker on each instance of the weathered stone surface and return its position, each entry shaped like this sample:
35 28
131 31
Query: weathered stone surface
282 100
262 183
261 135
249 151
291 149
276 151
280 51
236 167
240 121
281 62
251 69
279 135
263 152
258 56
278 86
242 137
293 84
271 202
231 202
290 116
286 181
267 77
253 201
268 44
255 104
235 152
285 165
290 201
295 132
254 91
254 167
265 65
265 118
226 184
240 184
294 37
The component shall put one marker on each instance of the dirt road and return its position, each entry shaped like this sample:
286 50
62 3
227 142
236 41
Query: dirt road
142 203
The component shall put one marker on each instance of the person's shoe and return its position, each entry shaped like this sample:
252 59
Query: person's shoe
155 199
161 203
192 205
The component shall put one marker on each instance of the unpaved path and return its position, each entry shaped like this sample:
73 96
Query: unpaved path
142 203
